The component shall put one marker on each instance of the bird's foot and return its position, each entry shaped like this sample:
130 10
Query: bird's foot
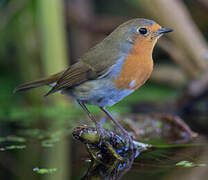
129 141
101 133
130 147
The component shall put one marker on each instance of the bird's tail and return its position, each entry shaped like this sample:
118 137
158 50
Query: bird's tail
41 82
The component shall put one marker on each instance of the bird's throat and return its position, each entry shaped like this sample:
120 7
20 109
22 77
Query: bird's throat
137 67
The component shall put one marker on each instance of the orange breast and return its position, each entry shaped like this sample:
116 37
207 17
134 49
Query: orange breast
137 66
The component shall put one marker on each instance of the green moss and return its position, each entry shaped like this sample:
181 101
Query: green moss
49 142
44 170
189 164
92 137
12 147
159 124
185 164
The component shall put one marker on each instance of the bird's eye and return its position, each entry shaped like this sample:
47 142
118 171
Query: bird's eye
142 31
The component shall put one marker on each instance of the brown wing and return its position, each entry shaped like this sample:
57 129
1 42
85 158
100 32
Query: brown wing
91 65
74 75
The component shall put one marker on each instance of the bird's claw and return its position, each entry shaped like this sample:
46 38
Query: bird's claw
101 134
129 141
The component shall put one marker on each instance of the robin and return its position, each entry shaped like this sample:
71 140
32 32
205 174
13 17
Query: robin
109 71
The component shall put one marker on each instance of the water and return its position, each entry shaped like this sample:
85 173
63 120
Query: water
34 151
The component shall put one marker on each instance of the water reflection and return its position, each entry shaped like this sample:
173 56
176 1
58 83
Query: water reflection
111 158
114 171
155 163
174 152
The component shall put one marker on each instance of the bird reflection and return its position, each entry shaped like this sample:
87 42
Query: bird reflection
111 158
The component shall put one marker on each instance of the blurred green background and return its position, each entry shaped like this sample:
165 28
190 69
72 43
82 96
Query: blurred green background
43 37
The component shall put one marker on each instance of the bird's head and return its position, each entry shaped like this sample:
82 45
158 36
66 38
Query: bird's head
141 32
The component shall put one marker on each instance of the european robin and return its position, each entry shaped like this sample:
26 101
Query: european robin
109 71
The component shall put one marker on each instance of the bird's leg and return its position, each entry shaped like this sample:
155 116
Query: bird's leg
125 133
98 127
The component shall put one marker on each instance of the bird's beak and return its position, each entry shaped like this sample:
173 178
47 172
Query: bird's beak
163 31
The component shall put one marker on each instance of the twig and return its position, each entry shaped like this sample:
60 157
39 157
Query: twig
179 57
174 14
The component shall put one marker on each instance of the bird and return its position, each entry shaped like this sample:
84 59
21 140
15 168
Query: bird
109 71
